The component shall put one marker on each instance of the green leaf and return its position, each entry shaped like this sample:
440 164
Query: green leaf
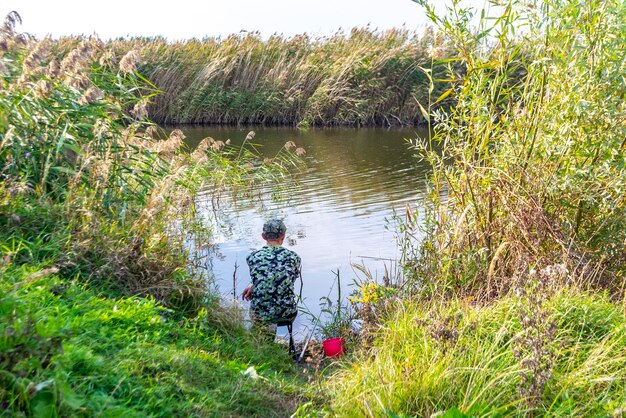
424 112
65 170
444 95
43 404
454 413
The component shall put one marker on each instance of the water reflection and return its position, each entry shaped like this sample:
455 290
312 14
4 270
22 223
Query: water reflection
339 215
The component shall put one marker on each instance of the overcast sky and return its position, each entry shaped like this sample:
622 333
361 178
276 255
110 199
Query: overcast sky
182 19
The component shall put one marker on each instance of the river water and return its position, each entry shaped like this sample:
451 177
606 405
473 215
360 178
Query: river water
341 214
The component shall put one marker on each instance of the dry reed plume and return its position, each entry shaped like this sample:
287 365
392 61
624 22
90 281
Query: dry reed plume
363 77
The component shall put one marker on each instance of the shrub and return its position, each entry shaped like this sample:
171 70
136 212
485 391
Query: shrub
528 170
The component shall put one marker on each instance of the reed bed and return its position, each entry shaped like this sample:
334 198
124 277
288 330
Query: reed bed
531 156
76 143
363 77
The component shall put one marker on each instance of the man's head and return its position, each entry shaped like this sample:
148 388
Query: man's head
274 230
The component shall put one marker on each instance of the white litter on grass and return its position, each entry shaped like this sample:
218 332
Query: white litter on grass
251 372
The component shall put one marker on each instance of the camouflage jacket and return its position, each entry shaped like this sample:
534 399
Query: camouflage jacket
273 271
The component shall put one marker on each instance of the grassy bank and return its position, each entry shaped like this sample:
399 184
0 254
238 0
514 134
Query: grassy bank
455 359
511 301
104 307
363 77
68 350
511 297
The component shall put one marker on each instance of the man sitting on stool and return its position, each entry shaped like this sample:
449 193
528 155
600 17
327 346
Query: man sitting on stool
273 270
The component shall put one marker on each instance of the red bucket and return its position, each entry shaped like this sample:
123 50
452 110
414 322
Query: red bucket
334 347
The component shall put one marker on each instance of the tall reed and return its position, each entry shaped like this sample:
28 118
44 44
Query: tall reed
364 77
83 167
528 172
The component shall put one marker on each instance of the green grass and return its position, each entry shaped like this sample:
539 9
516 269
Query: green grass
452 355
127 356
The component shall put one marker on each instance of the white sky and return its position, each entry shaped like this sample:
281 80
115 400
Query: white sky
182 19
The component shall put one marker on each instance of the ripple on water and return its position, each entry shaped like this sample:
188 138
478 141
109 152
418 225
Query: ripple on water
353 182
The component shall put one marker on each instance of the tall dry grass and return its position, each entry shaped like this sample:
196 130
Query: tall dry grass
92 186
529 163
364 77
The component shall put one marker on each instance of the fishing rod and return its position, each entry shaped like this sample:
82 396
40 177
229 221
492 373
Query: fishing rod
317 319
307 341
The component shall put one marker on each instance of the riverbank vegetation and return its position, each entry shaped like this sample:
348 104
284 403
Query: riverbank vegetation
512 297
104 309
364 77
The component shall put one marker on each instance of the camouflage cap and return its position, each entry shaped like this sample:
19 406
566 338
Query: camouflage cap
274 228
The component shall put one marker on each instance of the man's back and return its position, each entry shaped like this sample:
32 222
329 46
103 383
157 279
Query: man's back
273 270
